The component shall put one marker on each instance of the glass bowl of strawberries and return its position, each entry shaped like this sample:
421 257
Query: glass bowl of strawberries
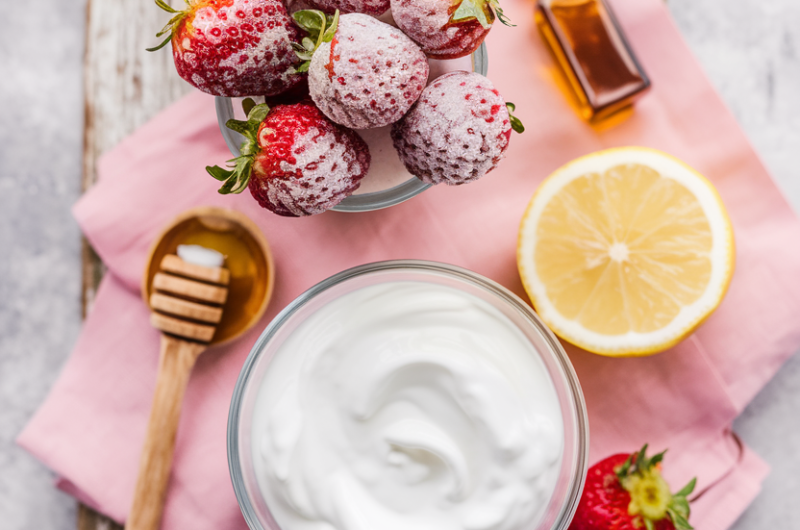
351 105
387 182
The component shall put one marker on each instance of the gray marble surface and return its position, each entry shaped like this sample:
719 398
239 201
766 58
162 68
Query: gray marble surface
41 50
750 49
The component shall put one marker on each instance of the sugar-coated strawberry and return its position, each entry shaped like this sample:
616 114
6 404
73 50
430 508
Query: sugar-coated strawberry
362 73
445 29
294 160
456 132
234 47
627 492
368 7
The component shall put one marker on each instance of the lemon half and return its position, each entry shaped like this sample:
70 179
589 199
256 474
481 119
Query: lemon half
625 251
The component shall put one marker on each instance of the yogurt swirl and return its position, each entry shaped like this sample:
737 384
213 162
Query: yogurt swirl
407 405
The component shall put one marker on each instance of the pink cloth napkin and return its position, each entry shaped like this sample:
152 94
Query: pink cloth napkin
91 427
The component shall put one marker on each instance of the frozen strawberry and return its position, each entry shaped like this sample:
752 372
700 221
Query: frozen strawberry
627 492
369 7
457 131
362 73
445 29
295 161
234 47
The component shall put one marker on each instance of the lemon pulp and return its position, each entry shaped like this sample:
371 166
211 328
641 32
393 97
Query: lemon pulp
625 251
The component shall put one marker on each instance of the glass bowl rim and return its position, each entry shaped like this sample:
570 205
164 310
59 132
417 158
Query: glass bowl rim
570 378
365 202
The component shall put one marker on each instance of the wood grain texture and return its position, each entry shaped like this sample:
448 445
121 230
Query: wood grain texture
190 289
174 368
124 87
185 309
174 264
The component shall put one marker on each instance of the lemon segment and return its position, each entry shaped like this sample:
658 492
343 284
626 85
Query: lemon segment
625 251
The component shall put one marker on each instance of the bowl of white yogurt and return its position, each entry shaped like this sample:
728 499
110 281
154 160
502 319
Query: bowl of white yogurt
407 395
387 182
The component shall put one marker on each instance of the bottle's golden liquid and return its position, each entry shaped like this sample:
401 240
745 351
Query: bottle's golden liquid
593 54
243 258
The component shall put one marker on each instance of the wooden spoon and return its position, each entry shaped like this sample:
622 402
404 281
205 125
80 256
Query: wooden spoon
186 310
188 303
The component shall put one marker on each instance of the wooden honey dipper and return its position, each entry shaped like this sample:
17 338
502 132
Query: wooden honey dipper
187 302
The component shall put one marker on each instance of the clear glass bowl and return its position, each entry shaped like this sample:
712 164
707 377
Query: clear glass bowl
571 476
370 200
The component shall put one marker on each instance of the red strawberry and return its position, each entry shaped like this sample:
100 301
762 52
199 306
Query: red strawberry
445 29
362 73
295 161
456 132
627 492
234 47
370 7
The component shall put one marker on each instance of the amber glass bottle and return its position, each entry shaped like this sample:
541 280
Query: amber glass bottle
594 54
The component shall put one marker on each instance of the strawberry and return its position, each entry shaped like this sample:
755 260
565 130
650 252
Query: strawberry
369 7
362 73
234 47
445 29
457 131
294 160
627 492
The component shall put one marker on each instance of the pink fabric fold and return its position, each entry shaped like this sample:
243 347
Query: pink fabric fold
91 427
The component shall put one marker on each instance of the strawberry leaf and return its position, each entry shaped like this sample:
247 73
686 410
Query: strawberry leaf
171 26
639 459
235 179
473 9
247 106
500 15
163 43
652 461
237 175
516 124
648 524
166 7
241 127
687 489
311 20
331 31
680 505
219 173
320 27
304 51
625 469
316 23
256 114
680 522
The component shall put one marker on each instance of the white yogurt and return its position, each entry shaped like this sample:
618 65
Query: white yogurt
407 406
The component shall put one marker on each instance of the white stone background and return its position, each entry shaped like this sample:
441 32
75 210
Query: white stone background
749 48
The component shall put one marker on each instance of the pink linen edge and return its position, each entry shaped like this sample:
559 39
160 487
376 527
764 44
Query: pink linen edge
91 427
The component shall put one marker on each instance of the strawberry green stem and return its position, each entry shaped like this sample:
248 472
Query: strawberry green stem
237 176
484 11
516 124
320 27
651 500
500 15
473 10
172 25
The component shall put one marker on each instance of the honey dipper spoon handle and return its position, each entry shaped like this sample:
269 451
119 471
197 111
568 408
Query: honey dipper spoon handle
175 365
